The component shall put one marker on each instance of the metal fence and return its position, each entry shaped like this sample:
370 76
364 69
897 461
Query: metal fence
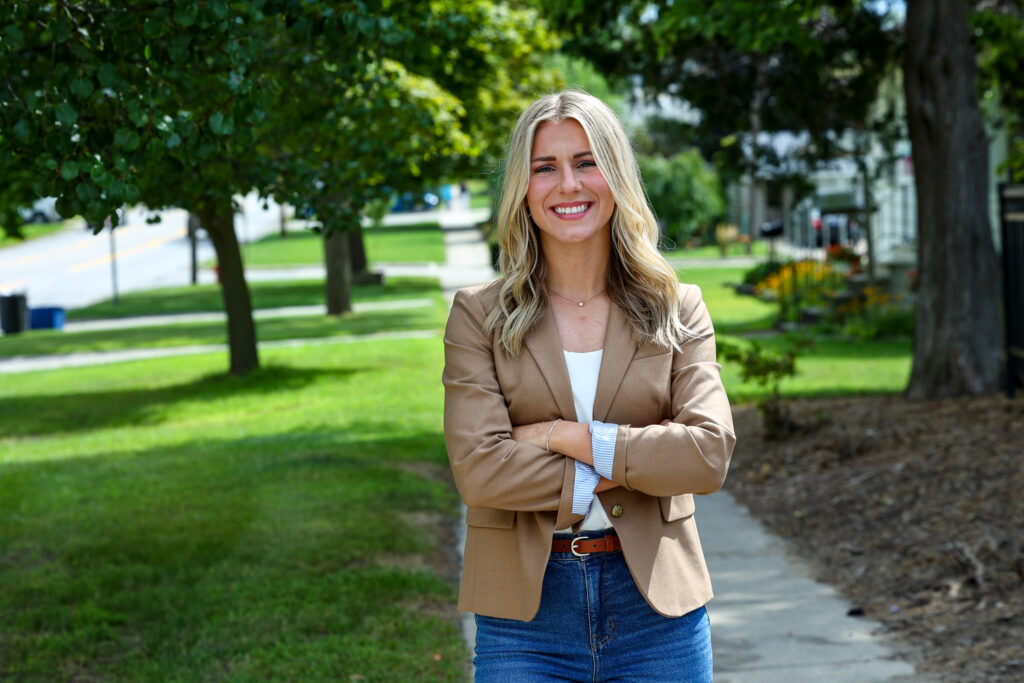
1011 214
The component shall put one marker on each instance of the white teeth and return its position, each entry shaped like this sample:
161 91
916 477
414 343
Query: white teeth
571 209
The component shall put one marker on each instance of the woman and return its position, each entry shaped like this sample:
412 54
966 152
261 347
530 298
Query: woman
583 408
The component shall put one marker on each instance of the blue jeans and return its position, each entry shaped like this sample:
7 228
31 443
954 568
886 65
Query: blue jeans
593 625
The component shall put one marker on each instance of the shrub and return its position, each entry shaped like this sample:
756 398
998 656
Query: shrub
684 192
877 314
762 270
767 369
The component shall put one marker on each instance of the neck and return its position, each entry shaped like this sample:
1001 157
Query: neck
577 271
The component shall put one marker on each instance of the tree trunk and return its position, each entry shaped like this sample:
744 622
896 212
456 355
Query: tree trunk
338 283
957 343
756 102
863 149
218 221
357 249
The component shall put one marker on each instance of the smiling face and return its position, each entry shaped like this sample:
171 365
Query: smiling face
568 197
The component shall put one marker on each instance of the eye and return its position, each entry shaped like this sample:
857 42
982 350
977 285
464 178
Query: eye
587 163
544 169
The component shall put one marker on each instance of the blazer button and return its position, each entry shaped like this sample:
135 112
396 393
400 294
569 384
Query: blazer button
616 510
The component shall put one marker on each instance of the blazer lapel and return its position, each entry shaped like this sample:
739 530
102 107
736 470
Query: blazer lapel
619 347
545 346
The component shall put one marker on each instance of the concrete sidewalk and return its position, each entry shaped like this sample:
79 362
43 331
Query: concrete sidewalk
770 621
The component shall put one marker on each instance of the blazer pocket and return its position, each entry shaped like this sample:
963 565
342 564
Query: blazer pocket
492 518
676 507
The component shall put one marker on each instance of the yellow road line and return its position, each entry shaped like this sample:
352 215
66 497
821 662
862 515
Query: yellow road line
105 259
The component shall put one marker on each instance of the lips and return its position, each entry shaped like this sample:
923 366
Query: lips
572 211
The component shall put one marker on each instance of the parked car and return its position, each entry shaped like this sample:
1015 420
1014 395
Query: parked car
42 211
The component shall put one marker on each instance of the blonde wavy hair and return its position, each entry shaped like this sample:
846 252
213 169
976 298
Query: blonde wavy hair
640 280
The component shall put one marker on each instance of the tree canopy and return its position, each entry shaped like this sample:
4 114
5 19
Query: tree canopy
329 103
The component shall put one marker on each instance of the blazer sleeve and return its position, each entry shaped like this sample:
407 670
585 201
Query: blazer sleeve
691 454
490 468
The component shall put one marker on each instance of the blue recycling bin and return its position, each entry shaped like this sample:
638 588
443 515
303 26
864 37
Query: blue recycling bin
46 318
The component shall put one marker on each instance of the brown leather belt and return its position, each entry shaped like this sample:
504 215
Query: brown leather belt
583 545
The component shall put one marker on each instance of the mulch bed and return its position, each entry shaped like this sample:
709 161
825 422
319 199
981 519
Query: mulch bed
914 510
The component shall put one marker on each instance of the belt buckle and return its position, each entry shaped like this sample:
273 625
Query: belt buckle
572 546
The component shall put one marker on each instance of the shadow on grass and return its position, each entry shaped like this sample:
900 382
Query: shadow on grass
79 412
296 560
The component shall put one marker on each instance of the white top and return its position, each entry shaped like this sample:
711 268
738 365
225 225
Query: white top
583 372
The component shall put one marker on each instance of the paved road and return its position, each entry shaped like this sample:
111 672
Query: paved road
73 268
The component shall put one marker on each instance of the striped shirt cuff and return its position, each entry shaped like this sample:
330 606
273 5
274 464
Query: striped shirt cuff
583 488
602 444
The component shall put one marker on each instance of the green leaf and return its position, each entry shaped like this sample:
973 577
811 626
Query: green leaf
154 149
23 130
61 32
81 87
107 74
185 13
366 25
66 114
115 191
177 53
147 52
221 125
153 28
100 176
126 139
173 141
139 117
69 171
131 193
14 36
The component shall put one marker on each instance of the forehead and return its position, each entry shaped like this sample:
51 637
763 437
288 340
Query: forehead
553 135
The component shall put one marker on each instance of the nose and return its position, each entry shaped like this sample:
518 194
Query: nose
568 181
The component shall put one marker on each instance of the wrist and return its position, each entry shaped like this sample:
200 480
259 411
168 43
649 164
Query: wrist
551 430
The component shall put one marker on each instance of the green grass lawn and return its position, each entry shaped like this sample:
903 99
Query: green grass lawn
830 367
420 242
31 231
162 521
204 298
45 342
730 312
760 249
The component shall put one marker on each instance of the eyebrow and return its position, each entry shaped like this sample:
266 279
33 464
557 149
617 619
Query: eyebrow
577 155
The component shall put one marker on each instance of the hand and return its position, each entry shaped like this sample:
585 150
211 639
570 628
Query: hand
534 433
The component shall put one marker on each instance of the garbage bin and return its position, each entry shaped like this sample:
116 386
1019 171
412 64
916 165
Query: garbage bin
46 318
13 313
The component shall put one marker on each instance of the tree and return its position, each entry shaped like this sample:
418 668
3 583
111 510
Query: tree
684 193
190 104
826 85
460 73
743 68
957 347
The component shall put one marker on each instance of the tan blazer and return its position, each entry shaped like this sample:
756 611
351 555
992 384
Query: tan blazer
517 494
